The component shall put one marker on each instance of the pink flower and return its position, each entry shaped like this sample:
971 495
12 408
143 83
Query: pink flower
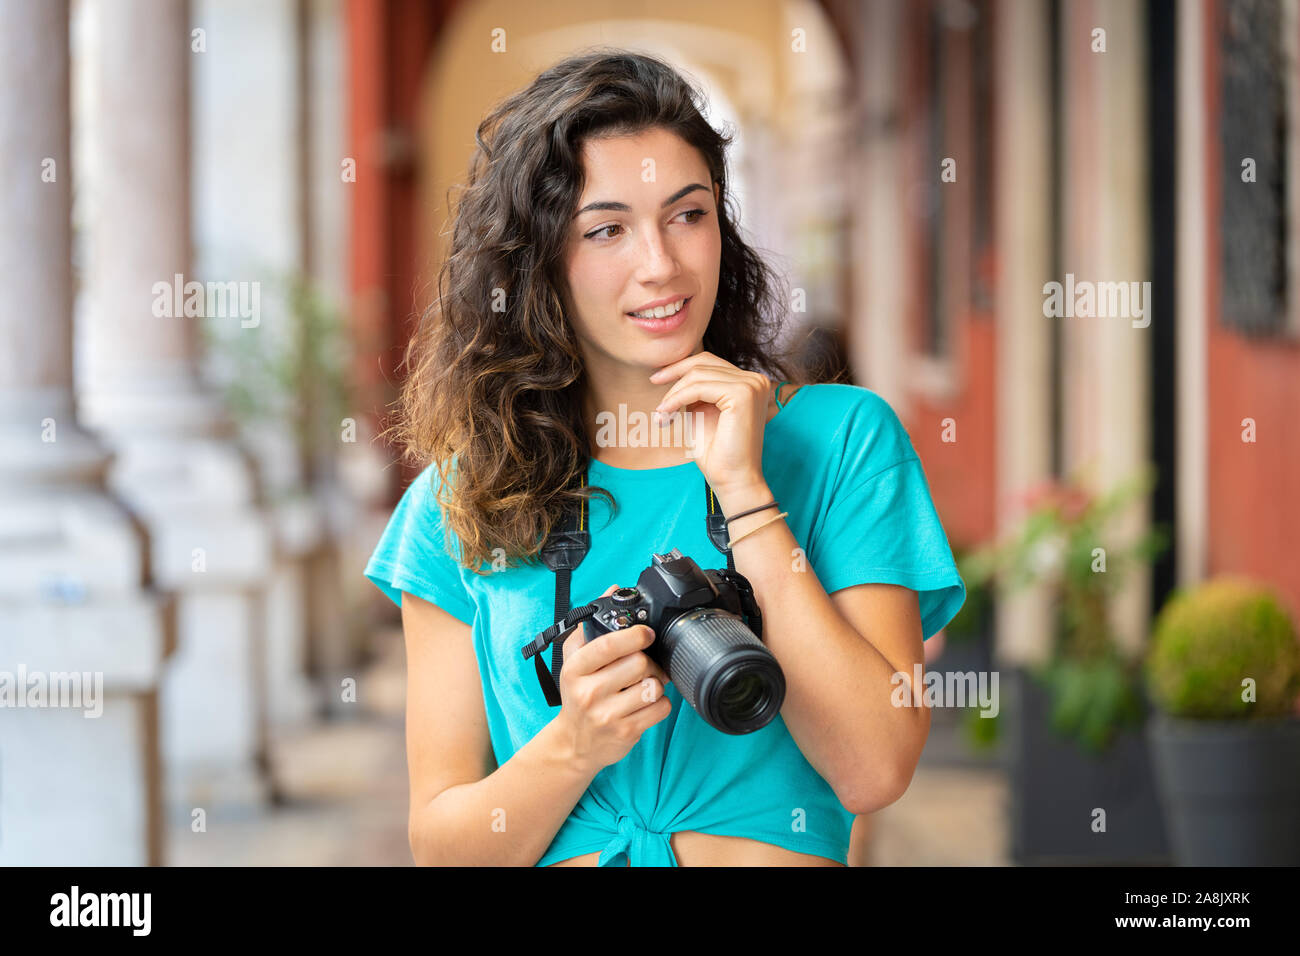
1069 502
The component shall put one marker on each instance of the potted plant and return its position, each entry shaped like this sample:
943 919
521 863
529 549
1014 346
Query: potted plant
1082 788
291 372
1064 544
1223 672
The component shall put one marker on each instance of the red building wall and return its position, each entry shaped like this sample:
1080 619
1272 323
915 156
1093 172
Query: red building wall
961 473
1254 488
389 43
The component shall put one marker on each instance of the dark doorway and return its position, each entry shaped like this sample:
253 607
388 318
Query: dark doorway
1162 34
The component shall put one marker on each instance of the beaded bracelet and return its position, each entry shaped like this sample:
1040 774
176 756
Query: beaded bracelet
759 528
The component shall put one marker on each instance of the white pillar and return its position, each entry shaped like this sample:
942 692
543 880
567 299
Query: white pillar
334 586
250 211
1024 179
175 465
1107 408
81 641
881 277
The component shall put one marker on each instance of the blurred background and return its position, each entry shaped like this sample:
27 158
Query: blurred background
219 221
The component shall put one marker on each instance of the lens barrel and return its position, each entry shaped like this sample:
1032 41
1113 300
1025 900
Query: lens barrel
723 671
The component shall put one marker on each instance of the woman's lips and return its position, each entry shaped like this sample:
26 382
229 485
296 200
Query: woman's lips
668 323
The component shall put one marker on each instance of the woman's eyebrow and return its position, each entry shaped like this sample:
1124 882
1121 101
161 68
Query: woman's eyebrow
624 207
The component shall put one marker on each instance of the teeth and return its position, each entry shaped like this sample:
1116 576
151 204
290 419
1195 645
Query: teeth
661 312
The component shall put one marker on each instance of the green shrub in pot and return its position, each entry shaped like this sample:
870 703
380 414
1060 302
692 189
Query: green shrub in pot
1223 671
1093 685
1224 650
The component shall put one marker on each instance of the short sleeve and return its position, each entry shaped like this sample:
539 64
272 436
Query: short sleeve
881 525
412 554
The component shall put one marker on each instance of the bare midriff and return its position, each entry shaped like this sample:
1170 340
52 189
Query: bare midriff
710 849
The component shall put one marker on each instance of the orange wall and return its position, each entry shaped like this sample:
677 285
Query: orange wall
961 473
1254 489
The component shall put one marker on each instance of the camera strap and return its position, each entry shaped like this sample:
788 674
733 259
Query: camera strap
565 547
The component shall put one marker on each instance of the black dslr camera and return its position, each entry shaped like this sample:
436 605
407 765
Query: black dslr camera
707 627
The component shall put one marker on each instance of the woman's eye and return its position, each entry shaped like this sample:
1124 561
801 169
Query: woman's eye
603 231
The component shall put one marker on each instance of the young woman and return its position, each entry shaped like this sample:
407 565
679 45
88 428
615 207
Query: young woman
596 277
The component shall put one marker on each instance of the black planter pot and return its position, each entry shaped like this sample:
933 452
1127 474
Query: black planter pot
1231 789
968 653
948 744
1056 788
972 649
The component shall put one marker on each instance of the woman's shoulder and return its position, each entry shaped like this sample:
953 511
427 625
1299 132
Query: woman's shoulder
861 428
846 406
839 395
421 513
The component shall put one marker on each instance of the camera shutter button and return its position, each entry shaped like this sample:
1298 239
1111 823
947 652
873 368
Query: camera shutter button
624 595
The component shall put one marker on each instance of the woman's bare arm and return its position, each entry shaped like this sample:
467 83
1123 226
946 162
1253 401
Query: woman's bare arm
465 810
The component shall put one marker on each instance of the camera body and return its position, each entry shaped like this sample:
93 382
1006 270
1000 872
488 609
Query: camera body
707 626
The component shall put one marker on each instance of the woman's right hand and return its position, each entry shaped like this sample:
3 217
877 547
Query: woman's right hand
610 693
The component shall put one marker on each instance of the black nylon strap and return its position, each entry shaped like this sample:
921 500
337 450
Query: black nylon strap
562 577
564 550
717 526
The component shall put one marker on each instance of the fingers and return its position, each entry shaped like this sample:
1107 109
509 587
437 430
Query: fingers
713 389
589 657
628 671
618 657
646 695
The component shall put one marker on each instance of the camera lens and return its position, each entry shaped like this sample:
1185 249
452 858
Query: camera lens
746 694
742 698
723 670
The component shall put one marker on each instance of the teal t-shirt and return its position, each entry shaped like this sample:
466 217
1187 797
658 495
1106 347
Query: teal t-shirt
839 461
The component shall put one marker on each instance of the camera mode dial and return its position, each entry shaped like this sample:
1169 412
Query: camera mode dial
624 595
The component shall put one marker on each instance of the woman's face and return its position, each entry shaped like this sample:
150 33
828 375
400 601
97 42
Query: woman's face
663 242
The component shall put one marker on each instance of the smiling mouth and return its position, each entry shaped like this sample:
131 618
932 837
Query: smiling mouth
667 315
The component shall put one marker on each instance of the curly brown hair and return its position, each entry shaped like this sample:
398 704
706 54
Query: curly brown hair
496 377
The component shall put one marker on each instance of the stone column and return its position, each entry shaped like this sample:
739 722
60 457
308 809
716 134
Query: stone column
334 586
877 329
1023 340
82 642
176 463
1106 229
250 205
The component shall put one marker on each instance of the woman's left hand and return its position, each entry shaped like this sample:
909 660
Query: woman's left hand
727 433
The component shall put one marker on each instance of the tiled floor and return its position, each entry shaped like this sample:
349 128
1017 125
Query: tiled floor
347 798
